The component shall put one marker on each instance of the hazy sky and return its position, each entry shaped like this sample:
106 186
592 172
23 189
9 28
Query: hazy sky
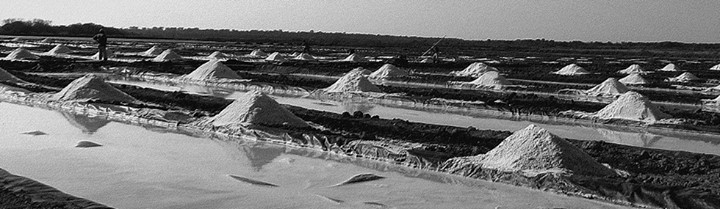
585 20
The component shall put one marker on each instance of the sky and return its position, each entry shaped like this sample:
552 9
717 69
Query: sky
566 20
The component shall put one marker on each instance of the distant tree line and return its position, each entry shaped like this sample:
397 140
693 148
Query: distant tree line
44 28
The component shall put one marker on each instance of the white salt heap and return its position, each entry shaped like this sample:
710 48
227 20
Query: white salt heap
361 70
353 58
21 54
427 60
634 68
716 67
46 40
631 106
212 70
609 87
474 70
217 55
16 39
167 55
388 71
491 79
354 81
535 150
258 53
685 77
255 108
276 57
91 87
304 56
572 69
153 51
633 79
59 49
6 76
669 67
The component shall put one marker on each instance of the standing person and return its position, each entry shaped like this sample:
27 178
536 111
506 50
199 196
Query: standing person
101 39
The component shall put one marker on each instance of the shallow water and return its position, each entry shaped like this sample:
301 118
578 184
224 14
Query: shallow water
698 143
139 168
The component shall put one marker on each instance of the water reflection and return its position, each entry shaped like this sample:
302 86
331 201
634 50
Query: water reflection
261 154
86 124
351 107
641 139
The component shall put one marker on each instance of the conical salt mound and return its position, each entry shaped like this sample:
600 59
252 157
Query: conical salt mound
474 70
256 108
304 56
669 67
46 40
633 79
21 54
610 86
7 77
632 106
276 57
427 60
361 70
91 88
59 49
635 68
167 55
16 39
490 79
354 81
572 69
258 53
212 70
153 51
388 71
217 55
685 77
353 58
536 150
716 67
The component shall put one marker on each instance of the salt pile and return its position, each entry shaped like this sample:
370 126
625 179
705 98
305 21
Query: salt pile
255 108
354 81
212 70
304 56
276 57
633 79
609 87
59 49
669 67
427 60
361 70
685 77
217 55
16 39
21 54
153 51
7 77
572 69
491 79
353 58
167 55
716 67
631 106
258 53
634 68
534 150
46 40
474 70
388 71
91 88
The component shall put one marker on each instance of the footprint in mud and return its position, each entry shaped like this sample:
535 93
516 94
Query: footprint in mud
361 178
35 133
87 144
252 181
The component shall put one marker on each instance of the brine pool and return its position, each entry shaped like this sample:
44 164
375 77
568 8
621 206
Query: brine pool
139 167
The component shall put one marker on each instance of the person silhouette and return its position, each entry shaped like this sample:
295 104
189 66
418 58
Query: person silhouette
101 39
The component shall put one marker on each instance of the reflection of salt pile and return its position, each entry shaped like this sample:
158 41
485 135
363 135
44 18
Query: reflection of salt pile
258 53
716 67
91 88
255 108
633 79
7 77
388 71
354 81
609 87
534 150
153 51
211 70
491 79
635 68
21 54
85 123
304 56
59 49
217 55
631 106
572 69
276 57
669 67
353 58
361 70
167 55
685 77
474 70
